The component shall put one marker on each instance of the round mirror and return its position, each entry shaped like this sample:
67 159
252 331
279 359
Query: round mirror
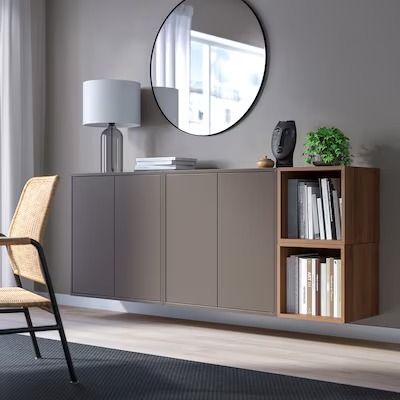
208 64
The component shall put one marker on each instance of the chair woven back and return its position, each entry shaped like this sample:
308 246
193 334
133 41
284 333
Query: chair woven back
29 220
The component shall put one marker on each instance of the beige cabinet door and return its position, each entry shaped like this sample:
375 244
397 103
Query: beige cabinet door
138 237
93 236
191 239
246 241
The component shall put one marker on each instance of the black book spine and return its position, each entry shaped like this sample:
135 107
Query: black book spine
301 217
331 210
293 214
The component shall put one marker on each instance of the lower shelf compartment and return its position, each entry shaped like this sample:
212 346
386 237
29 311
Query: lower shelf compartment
321 255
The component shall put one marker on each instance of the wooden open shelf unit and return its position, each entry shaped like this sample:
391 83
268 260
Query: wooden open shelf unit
358 248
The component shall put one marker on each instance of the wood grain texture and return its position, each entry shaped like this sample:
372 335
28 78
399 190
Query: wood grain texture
368 364
7 241
361 280
358 248
361 202
313 244
281 204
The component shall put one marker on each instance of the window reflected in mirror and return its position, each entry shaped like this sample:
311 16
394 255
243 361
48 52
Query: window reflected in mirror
217 70
225 77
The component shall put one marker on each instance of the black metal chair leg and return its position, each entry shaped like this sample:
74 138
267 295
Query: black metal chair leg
56 310
67 353
33 336
64 342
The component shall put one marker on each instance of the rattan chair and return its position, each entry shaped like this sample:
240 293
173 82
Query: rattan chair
28 261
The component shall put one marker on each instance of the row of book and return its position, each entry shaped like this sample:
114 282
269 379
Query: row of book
314 209
165 163
314 285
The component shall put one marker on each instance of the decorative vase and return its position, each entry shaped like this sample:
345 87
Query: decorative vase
265 163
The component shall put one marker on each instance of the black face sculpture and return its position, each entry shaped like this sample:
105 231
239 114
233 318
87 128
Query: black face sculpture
284 142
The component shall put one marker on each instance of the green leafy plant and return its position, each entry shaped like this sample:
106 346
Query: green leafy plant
327 146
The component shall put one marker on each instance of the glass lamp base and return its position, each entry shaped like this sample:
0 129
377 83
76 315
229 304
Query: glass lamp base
111 148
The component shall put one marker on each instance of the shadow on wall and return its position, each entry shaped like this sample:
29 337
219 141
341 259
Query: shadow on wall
387 158
142 140
153 119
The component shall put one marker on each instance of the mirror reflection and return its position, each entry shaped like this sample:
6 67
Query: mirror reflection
208 64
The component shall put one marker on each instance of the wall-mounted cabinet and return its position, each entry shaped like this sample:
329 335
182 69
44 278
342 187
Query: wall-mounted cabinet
138 237
246 228
191 239
209 238
200 238
117 236
356 248
93 236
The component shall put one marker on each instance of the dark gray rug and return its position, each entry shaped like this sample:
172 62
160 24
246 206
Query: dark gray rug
112 374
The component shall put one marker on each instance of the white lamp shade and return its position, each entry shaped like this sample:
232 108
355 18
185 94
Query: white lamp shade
108 101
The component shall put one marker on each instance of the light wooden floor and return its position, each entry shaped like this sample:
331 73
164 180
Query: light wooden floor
343 361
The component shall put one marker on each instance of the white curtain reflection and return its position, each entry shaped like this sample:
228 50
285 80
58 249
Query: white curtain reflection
171 58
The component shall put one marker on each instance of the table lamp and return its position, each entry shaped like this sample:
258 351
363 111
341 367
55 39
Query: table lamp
111 103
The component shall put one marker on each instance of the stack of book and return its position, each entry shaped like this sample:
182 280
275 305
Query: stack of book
165 163
314 209
313 286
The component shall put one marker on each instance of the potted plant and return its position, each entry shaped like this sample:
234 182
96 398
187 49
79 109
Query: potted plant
327 146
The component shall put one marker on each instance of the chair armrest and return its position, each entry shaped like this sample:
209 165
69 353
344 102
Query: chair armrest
5 241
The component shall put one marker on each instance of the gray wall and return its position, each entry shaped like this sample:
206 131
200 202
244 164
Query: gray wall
332 62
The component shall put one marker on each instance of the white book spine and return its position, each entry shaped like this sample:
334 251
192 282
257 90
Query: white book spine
326 206
303 286
163 159
324 289
337 287
321 219
310 213
329 287
289 286
165 162
314 286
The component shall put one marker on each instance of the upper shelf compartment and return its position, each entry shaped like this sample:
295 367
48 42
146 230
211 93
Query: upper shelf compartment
349 194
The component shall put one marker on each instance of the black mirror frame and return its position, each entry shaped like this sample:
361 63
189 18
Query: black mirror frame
260 90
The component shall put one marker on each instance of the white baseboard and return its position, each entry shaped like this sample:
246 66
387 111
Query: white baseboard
352 331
